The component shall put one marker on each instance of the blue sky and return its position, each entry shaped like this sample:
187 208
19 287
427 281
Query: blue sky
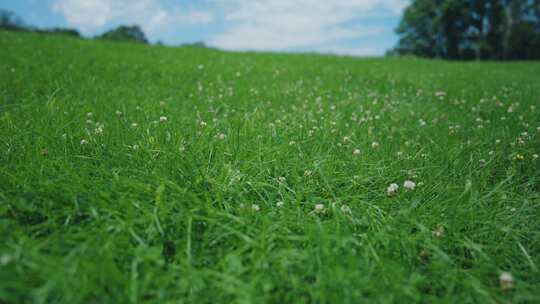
351 27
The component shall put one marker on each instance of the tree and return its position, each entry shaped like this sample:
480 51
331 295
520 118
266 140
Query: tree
10 21
60 31
416 30
452 23
466 29
126 33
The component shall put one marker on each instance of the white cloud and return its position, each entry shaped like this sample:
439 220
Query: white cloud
92 15
360 51
336 26
287 24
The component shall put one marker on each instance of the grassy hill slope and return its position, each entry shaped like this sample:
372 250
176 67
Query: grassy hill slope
138 174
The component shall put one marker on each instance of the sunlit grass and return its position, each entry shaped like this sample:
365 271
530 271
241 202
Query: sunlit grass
135 174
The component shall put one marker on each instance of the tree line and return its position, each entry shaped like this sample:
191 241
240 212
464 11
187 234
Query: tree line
470 29
133 33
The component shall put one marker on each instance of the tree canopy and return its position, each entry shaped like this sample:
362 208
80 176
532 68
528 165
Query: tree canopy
10 21
126 33
471 29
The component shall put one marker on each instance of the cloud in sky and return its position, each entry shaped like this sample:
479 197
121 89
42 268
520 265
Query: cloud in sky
276 25
92 15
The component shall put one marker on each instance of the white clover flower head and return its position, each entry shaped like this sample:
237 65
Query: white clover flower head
222 136
281 179
375 145
203 124
356 152
319 208
392 189
280 204
506 281
99 130
255 207
292 143
162 103
409 185
135 147
308 173
438 233
119 113
440 94
89 114
5 259
345 209
162 118
134 125
346 139
84 142
535 156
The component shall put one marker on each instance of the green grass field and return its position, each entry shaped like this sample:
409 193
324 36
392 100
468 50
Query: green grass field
146 174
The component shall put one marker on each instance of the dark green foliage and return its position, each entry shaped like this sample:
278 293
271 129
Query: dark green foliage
10 21
60 31
199 44
126 34
471 29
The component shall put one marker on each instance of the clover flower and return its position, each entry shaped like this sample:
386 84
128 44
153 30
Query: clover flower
440 94
409 185
162 118
345 209
319 208
506 280
438 233
392 189
99 130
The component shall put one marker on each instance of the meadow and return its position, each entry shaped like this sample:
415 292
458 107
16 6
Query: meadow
148 174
